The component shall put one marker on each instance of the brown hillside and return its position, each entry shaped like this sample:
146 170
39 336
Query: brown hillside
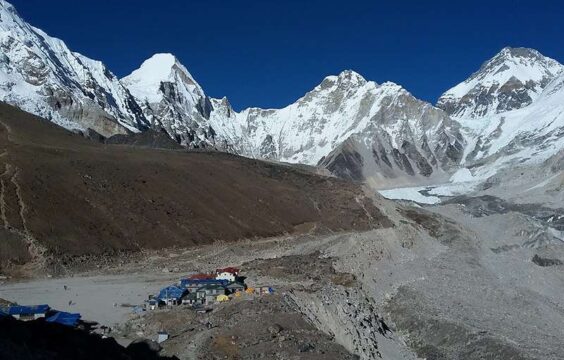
62 194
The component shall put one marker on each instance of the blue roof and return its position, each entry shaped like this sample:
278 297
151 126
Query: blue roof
26 310
199 282
171 292
64 318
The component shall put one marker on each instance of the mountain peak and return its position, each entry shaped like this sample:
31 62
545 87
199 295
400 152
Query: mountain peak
345 79
512 79
145 82
511 58
351 76
520 52
37 71
166 58
7 6
10 20
522 63
158 67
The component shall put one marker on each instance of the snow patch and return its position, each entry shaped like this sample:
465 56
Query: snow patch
410 194
462 175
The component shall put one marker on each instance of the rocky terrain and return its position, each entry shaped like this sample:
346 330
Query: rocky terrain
117 187
457 280
267 327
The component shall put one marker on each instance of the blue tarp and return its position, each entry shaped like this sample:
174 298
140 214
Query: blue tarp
171 292
26 310
2 313
64 318
202 282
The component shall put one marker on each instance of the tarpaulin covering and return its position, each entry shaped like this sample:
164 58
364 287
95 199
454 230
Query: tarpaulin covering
64 318
25 310
171 292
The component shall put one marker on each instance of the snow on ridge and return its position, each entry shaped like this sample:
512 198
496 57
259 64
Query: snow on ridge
506 65
511 110
462 175
318 122
410 194
340 107
145 82
40 74
155 69
527 135
167 94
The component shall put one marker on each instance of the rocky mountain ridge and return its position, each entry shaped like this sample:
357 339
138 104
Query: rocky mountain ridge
41 75
355 128
510 111
511 80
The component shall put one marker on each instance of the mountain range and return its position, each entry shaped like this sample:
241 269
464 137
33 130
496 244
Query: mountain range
509 112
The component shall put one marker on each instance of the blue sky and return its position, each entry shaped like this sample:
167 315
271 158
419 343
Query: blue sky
269 53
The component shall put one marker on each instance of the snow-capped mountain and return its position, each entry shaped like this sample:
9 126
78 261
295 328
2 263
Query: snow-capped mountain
173 100
357 129
512 79
39 74
511 110
394 134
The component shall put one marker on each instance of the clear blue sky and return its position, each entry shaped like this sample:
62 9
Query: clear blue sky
269 53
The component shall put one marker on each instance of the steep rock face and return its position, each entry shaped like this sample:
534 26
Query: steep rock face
41 75
406 141
392 132
386 121
357 129
510 111
504 128
528 135
511 80
172 99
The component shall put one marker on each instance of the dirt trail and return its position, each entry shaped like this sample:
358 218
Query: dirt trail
13 213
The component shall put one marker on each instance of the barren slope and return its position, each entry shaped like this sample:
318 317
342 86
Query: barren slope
64 195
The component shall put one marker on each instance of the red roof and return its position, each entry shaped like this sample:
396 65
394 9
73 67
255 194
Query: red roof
201 276
232 270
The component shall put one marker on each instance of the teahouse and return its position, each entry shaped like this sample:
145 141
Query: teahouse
229 273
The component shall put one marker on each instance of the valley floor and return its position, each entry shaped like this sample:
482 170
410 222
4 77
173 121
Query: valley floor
457 280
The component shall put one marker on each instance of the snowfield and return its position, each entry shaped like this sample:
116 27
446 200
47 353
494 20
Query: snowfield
410 194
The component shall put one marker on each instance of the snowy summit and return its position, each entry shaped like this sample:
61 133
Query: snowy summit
145 82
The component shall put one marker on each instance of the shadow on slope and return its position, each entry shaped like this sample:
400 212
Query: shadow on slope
41 340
